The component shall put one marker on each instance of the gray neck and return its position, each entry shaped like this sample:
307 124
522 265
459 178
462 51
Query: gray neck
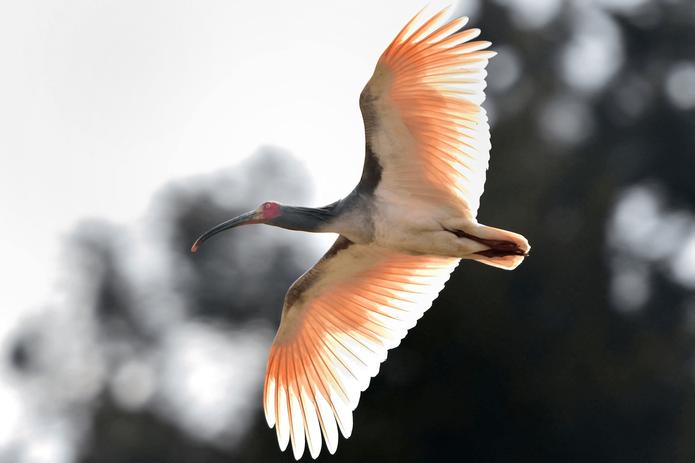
307 219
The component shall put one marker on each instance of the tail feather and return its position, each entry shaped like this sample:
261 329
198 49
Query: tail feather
506 249
503 262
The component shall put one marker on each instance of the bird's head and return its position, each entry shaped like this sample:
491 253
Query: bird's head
264 213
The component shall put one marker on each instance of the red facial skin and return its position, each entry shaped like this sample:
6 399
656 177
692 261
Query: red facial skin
270 210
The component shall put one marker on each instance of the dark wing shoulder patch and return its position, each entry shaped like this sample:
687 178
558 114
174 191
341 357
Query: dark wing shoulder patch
305 281
371 171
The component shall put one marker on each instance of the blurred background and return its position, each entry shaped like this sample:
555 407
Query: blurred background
127 128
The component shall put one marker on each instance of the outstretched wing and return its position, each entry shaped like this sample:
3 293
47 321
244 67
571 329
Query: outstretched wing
427 135
338 321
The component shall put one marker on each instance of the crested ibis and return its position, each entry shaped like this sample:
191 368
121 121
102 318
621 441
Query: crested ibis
402 231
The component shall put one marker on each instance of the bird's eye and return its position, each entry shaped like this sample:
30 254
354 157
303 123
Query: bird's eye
266 205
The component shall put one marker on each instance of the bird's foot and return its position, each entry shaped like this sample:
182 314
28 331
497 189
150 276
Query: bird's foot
497 248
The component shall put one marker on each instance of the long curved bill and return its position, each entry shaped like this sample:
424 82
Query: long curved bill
244 219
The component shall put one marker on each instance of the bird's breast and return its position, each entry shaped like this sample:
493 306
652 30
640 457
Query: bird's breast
410 225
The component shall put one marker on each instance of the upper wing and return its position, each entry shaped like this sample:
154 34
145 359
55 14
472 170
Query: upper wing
427 135
338 321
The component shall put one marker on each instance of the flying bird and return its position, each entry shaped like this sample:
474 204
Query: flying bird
402 231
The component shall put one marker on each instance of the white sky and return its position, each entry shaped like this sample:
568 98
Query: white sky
101 102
